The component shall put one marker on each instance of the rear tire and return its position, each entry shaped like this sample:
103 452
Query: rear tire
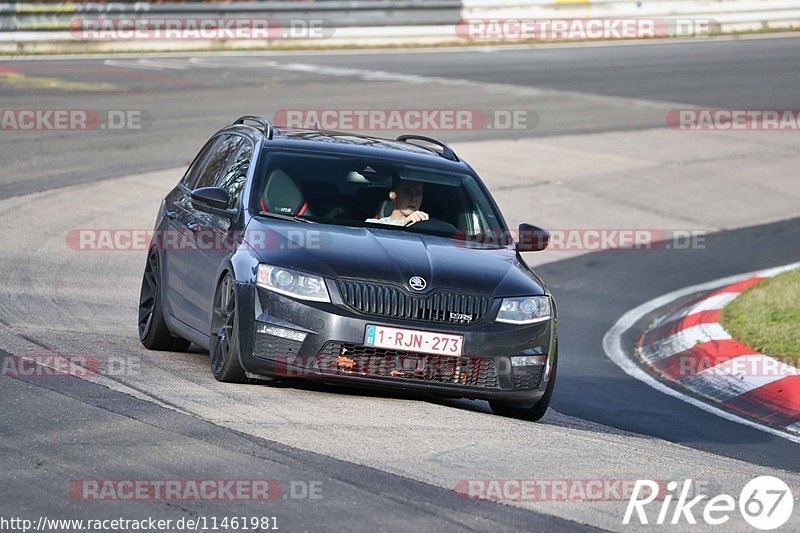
533 413
224 347
153 331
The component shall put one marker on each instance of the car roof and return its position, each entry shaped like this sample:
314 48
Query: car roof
351 143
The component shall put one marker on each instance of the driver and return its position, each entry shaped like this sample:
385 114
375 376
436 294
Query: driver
406 196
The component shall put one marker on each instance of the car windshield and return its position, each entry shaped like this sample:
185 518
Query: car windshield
355 191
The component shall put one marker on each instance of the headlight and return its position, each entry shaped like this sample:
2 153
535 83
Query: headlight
525 310
293 283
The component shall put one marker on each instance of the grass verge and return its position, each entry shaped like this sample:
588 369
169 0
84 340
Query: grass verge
766 317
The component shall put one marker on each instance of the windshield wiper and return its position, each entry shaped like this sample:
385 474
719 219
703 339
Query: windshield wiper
285 217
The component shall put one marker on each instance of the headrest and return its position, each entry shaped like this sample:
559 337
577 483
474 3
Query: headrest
282 195
385 209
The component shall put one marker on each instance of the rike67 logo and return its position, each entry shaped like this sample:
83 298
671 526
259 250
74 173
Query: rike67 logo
766 503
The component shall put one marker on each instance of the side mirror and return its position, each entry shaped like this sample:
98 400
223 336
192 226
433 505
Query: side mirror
212 200
532 238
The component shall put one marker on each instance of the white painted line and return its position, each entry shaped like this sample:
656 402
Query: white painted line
612 345
683 340
165 64
231 63
126 63
772 272
737 376
414 79
149 64
367 75
518 90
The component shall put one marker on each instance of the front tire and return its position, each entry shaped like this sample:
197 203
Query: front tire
533 413
153 331
224 348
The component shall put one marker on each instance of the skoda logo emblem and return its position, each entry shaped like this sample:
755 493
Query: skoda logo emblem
417 283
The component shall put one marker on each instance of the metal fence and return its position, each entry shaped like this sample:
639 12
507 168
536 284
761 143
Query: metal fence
54 17
32 27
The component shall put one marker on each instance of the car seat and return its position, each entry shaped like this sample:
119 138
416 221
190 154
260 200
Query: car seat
283 196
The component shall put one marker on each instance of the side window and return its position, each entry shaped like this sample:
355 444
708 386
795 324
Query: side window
190 178
233 178
223 150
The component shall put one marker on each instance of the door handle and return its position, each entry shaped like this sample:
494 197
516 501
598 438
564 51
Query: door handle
194 226
172 215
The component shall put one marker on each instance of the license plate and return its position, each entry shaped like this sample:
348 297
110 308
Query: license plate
412 340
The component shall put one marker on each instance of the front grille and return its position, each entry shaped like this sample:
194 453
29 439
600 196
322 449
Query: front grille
354 360
528 377
394 302
273 347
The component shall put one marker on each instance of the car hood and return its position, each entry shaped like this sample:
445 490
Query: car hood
392 256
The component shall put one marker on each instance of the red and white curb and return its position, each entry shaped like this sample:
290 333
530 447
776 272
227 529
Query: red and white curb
690 348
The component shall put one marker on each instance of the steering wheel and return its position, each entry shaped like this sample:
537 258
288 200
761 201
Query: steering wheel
433 224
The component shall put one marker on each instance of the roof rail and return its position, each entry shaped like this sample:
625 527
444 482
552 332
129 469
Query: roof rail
446 152
263 122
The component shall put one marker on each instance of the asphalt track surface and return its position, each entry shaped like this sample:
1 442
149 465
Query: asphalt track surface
187 98
67 428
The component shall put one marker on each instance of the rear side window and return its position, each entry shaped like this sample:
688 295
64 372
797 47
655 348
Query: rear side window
235 174
215 162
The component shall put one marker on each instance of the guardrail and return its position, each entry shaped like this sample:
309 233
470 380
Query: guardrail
49 17
731 15
26 27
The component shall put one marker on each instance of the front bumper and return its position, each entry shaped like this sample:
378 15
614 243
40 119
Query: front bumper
283 337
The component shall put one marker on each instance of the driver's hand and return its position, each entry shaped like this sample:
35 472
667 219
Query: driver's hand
416 216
